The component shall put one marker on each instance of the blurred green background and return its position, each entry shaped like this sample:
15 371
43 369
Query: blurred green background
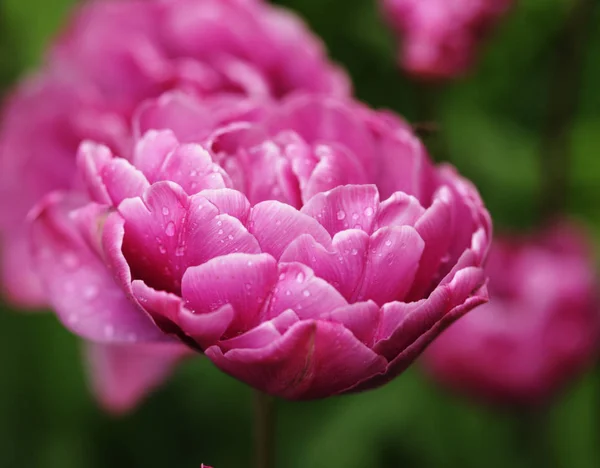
492 122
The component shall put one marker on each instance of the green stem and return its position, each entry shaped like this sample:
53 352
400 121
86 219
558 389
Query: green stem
264 430
562 107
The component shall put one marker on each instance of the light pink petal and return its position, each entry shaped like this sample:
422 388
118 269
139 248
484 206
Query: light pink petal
399 209
300 365
122 375
240 280
300 290
21 284
167 232
109 180
347 207
276 224
342 265
80 287
337 166
393 260
230 202
319 119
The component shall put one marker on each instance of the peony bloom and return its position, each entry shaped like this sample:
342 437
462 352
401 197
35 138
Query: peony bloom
309 251
440 38
113 56
539 330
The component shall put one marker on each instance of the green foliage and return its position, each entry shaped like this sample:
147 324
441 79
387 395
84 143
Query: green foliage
491 123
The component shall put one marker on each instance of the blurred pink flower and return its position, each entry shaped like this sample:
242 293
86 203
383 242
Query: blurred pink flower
441 38
112 56
115 54
309 251
539 330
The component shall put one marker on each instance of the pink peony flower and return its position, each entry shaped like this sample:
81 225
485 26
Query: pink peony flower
115 54
112 56
309 251
539 330
441 37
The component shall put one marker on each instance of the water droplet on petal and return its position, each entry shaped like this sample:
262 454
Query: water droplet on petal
355 216
248 286
306 293
300 277
354 252
281 276
230 237
180 251
341 215
170 229
161 249
388 243
165 210
369 211
288 292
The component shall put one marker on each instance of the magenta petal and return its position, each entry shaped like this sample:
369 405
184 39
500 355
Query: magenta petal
342 266
79 286
240 280
347 207
276 224
393 260
300 290
122 375
435 227
230 202
361 318
300 364
402 323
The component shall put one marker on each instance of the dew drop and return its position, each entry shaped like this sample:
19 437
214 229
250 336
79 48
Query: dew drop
388 243
180 251
288 292
248 286
281 276
249 263
170 229
161 249
230 237
341 215
306 293
220 232
355 216
369 211
300 277
219 223
165 210
193 173
354 252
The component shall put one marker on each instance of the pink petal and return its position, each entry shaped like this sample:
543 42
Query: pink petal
151 151
361 318
122 375
347 207
342 266
392 262
240 280
80 287
276 224
399 210
230 202
301 365
337 166
435 227
319 119
110 180
403 323
167 232
298 289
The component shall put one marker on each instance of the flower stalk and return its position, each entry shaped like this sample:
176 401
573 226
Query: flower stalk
264 430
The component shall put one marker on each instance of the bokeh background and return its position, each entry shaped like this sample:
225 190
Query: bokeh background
491 124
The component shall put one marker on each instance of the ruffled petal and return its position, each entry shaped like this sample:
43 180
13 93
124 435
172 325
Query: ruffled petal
276 224
79 286
122 375
347 207
300 365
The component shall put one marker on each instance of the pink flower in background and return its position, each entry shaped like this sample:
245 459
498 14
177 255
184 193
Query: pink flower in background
309 251
538 331
113 56
441 38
